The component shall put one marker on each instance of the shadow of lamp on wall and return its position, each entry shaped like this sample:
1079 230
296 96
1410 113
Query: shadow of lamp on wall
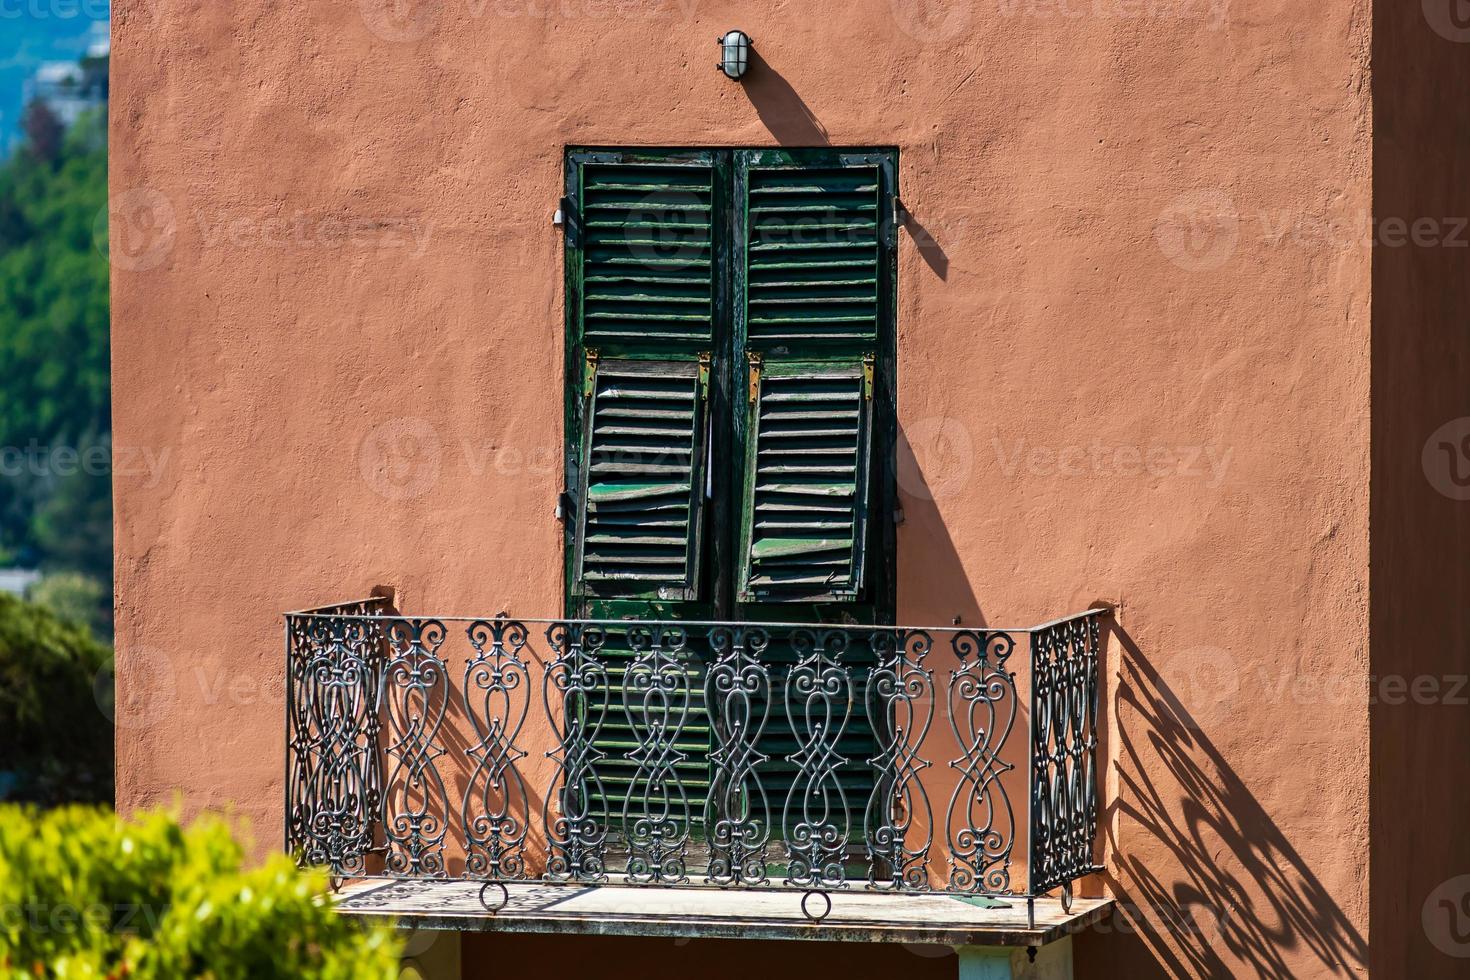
780 108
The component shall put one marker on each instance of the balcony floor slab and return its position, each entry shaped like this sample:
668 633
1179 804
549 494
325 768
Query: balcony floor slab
706 913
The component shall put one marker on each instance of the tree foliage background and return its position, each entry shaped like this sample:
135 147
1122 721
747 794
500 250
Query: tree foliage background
55 500
55 461
56 706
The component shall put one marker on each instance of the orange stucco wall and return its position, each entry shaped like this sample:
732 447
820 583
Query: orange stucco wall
1135 359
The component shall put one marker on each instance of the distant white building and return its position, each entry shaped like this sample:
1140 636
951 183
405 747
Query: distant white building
17 580
69 88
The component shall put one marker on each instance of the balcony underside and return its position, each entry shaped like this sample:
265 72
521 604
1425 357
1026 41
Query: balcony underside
704 913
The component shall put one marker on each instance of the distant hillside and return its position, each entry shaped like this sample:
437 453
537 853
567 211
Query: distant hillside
27 40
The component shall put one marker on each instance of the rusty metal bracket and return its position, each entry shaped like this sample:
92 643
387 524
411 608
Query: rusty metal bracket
868 361
589 373
754 358
705 357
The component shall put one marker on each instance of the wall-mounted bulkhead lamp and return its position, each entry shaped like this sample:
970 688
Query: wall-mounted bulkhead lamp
734 54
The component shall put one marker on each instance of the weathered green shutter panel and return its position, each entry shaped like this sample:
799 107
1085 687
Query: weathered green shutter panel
644 268
807 481
814 277
647 263
814 256
643 468
642 285
816 264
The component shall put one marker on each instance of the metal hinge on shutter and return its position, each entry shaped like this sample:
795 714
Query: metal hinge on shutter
754 391
589 373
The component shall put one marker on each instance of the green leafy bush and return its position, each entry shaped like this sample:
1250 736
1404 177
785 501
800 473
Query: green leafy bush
55 732
77 599
84 894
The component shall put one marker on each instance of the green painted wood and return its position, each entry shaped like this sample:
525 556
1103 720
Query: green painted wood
814 290
648 264
807 481
641 520
814 279
814 253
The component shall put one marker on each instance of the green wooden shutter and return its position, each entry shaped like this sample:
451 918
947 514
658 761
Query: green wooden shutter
641 290
814 312
807 481
817 266
814 255
645 235
643 466
645 266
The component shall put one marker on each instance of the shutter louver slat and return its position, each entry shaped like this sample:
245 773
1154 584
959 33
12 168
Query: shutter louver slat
643 464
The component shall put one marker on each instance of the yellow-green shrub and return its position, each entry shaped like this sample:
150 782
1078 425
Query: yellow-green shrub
85 894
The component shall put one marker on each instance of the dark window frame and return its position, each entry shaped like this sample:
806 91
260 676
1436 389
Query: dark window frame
727 405
721 558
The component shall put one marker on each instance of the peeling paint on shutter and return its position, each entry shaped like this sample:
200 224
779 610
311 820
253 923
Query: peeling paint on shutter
643 464
807 482
647 260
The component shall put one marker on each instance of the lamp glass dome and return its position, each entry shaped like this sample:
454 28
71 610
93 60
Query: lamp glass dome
735 53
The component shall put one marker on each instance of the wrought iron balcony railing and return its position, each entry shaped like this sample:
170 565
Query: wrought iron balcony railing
679 754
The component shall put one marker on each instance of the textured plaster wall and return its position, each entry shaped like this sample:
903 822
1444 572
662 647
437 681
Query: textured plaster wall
1133 367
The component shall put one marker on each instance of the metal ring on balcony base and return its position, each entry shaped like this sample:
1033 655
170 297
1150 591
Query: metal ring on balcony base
807 912
335 882
504 896
1067 898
